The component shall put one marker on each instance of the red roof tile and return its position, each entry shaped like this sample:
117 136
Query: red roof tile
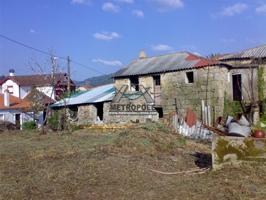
15 103
37 80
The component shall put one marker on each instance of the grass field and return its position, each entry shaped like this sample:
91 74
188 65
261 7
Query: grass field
94 164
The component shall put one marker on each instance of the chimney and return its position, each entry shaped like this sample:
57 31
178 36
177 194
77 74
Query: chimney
6 98
142 54
11 72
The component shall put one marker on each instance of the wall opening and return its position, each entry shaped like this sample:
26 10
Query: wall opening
134 83
17 121
99 108
237 87
189 77
157 80
159 111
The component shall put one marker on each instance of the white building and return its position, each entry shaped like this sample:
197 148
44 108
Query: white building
20 86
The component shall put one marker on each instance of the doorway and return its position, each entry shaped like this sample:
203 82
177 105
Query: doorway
17 121
237 87
99 108
159 111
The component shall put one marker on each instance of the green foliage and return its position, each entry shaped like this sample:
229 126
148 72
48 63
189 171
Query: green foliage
261 84
231 107
53 121
31 125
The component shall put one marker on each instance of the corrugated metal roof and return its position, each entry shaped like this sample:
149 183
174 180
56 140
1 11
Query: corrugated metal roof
257 52
95 95
163 63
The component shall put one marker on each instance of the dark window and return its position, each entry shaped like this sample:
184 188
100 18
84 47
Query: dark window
237 87
134 83
189 77
157 80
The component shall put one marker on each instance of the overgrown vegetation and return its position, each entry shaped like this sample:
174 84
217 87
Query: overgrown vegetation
31 125
151 138
231 107
91 165
53 120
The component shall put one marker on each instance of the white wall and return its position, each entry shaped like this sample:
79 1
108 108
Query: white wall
15 87
9 115
24 90
47 90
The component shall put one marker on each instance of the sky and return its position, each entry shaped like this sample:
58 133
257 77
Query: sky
106 35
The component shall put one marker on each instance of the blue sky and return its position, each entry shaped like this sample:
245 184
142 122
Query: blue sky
105 35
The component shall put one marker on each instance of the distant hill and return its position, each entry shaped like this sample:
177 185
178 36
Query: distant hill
97 80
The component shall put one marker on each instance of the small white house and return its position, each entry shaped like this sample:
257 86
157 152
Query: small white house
17 111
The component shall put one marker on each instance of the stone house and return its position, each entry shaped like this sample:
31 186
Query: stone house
88 107
182 80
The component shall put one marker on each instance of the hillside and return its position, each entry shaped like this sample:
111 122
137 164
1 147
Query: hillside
97 80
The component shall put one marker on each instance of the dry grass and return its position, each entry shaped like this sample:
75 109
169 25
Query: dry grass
99 165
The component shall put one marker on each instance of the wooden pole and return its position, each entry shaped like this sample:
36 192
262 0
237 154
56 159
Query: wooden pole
68 73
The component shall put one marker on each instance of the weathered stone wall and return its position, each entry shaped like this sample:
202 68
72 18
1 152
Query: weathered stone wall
148 83
87 114
209 84
234 150
120 82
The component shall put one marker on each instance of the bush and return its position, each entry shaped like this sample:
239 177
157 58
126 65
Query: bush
31 125
53 121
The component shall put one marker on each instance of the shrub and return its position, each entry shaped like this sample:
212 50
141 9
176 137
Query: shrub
53 121
31 125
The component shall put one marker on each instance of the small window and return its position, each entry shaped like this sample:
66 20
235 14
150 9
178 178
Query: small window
134 83
157 80
189 77
10 89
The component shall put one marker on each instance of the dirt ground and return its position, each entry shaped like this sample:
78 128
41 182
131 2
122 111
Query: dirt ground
93 164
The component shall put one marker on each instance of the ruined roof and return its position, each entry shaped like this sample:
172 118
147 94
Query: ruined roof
257 52
39 96
37 79
164 63
95 95
15 103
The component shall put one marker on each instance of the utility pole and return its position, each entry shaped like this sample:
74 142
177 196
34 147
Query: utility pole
68 73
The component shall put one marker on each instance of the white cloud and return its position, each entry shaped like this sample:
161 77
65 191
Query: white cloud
164 5
110 7
84 2
162 47
106 35
114 63
234 9
261 9
32 31
138 13
125 1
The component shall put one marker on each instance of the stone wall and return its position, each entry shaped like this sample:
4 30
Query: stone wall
148 83
120 82
87 114
235 150
209 84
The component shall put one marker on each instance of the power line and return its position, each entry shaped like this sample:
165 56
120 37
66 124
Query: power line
47 53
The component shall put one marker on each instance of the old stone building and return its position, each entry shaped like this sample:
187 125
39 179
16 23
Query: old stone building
151 87
182 80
